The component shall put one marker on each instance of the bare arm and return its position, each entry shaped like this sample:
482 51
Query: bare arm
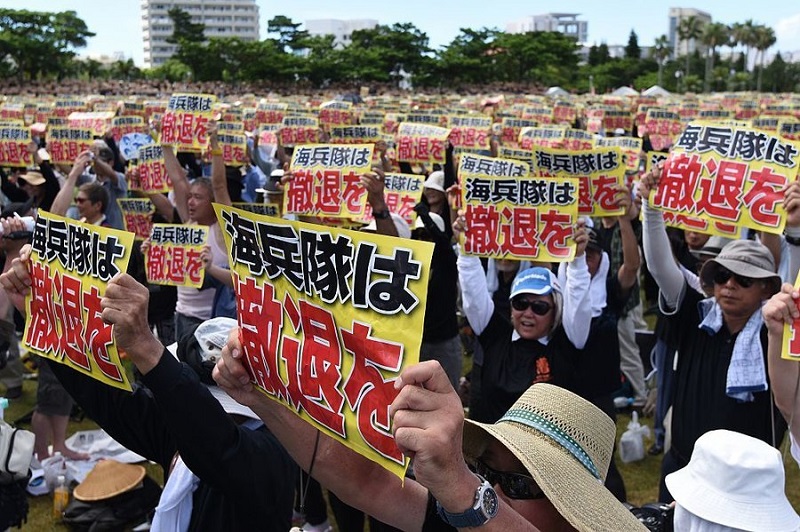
218 180
179 182
64 197
631 260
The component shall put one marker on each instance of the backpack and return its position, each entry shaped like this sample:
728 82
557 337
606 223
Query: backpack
126 509
16 451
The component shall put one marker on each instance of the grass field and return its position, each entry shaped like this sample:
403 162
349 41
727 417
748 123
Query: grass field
641 478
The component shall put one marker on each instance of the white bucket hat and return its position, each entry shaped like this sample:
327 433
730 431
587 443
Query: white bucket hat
736 481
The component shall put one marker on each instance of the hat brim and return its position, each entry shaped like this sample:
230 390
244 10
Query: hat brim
745 270
108 478
433 187
693 492
577 495
545 290
33 180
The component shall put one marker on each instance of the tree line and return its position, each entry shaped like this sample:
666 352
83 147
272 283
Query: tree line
39 45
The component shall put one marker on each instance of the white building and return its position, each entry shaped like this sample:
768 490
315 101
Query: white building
340 29
566 23
222 18
682 47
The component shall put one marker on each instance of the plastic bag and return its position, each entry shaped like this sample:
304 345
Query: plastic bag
53 467
631 444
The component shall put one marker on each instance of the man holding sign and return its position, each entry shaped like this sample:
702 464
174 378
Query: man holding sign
245 479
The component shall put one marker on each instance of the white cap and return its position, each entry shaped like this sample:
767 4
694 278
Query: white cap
435 181
403 231
438 220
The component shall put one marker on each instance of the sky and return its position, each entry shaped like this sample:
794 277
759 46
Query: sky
117 24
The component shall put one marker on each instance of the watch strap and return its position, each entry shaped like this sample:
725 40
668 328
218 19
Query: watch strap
474 516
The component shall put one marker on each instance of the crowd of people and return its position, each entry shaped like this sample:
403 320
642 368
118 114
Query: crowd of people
554 344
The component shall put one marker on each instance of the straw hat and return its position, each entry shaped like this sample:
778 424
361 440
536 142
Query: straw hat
107 479
565 443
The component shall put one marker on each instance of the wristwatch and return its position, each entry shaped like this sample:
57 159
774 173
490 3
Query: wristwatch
484 508
381 215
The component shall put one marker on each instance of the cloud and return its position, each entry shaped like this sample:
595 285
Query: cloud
787 32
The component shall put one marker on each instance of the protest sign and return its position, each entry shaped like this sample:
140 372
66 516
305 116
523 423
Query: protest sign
153 176
630 147
232 142
98 122
564 112
663 127
173 257
326 180
329 318
71 265
264 209
125 125
517 154
789 130
64 144
63 107
355 134
598 171
296 130
270 113
734 176
137 215
745 110
14 140
12 111
767 123
509 214
542 114
546 137
511 128
419 143
132 109
578 139
336 113
470 131
185 121
401 193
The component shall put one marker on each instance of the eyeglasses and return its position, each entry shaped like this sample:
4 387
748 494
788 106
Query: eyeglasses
81 200
538 306
514 485
723 275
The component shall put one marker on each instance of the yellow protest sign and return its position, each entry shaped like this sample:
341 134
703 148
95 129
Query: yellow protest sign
233 143
419 143
173 257
270 113
509 214
151 170
663 127
98 122
14 140
511 128
336 113
731 175
65 143
599 172
470 131
401 193
546 137
122 125
578 139
631 147
329 318
185 121
296 130
264 209
326 180
505 152
355 134
71 264
789 130
137 215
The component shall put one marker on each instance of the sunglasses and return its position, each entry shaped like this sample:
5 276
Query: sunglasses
723 275
514 485
538 306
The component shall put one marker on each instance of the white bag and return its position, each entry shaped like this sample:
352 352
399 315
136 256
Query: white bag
16 451
631 444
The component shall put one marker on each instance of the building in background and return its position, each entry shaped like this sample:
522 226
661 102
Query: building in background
340 29
222 18
682 47
566 23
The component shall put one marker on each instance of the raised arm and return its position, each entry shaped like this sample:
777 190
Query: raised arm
475 298
218 180
64 196
631 260
576 316
657 249
180 185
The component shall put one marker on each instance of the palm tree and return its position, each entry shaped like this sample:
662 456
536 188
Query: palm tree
745 34
763 41
714 34
661 53
690 29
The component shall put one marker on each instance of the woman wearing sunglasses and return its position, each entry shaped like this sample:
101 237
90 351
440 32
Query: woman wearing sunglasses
720 378
549 324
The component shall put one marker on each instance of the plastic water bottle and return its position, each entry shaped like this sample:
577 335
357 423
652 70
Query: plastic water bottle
3 406
60 497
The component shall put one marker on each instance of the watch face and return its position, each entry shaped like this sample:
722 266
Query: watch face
489 503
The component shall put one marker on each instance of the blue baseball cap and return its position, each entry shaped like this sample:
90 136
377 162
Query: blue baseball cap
536 280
